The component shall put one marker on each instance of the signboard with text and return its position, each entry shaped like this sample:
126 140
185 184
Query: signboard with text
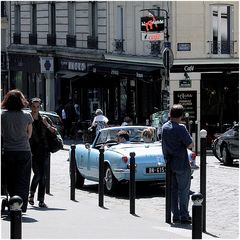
152 24
152 36
189 101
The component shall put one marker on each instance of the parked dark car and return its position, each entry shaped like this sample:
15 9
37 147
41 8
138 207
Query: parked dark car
226 147
55 118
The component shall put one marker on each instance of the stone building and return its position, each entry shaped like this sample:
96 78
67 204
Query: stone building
98 54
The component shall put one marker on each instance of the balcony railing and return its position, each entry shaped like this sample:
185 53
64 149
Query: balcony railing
119 46
16 38
92 42
71 40
33 39
221 47
51 39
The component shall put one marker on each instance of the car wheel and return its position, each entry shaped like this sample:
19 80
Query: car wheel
79 179
110 180
226 158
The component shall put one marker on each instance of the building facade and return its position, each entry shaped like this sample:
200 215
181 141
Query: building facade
96 53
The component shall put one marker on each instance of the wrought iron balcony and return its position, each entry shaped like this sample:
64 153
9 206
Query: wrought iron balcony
33 39
221 47
118 43
51 39
92 42
71 40
16 38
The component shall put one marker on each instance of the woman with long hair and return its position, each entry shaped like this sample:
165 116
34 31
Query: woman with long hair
16 130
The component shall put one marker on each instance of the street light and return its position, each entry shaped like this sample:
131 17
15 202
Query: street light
167 55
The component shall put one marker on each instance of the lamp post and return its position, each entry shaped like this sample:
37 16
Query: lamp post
167 56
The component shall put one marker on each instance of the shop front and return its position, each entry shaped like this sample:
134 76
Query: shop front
135 90
26 76
209 92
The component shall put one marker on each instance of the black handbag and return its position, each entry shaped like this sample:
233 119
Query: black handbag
55 142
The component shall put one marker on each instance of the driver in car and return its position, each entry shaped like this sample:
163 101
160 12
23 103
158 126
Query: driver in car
123 137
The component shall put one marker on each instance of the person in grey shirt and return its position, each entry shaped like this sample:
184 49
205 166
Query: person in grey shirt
16 129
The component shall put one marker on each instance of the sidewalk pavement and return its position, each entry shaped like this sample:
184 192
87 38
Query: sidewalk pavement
83 218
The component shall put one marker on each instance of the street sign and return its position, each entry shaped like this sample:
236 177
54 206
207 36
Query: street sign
167 56
167 44
152 36
47 64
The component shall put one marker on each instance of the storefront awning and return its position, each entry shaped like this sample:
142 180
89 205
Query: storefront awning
139 71
69 74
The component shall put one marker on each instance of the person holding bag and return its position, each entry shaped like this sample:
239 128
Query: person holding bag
39 142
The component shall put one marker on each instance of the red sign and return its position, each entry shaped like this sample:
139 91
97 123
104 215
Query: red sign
152 24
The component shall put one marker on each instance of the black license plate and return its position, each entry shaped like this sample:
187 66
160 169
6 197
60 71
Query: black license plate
156 170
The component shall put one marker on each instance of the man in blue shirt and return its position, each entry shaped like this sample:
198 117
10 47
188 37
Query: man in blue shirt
175 141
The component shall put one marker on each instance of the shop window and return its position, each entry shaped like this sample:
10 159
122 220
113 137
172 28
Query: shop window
222 27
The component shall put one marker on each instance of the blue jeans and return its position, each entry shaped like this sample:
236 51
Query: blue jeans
181 181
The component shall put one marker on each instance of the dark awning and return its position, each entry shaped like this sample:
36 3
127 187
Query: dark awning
69 74
116 69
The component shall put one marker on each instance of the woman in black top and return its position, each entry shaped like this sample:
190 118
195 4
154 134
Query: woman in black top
40 151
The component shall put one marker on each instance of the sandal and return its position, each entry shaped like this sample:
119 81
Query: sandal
42 205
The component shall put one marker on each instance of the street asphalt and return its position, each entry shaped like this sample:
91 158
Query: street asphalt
84 219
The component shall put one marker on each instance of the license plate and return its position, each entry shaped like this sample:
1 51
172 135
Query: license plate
156 170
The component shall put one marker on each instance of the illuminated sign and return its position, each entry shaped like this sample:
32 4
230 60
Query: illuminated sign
152 36
152 24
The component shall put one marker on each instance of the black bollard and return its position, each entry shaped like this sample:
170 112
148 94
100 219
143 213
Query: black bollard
203 150
197 199
132 184
15 204
196 137
101 178
72 172
168 194
48 174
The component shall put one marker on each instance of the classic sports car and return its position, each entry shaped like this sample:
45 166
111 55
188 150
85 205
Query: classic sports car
226 147
150 164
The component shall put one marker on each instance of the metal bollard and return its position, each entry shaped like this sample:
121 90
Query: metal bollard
72 172
196 137
101 178
132 184
197 199
203 149
15 204
168 194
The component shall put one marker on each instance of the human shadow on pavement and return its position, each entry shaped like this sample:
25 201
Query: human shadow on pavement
46 209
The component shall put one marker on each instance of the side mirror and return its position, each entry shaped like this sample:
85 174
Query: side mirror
87 145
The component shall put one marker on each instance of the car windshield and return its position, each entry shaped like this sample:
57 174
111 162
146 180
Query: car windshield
110 134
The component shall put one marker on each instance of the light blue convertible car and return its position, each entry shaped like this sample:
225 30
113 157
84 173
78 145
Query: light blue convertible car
150 164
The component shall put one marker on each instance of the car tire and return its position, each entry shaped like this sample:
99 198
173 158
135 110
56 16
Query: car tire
79 179
110 182
226 158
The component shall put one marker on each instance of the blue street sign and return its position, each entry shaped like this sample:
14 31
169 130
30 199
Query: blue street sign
167 44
